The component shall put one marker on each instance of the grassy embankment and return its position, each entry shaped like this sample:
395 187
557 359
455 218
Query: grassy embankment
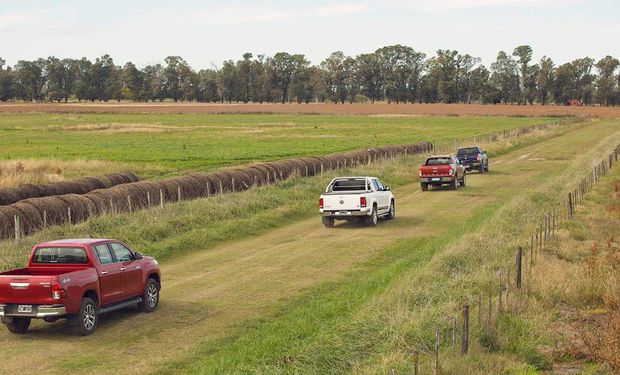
36 148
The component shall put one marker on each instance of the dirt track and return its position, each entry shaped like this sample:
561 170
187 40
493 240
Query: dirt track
329 109
209 293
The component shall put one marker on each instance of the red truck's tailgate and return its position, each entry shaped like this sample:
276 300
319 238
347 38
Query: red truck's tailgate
435 170
25 289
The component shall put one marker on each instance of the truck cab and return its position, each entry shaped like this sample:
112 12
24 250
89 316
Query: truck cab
77 279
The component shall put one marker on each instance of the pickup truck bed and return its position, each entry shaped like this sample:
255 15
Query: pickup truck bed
77 280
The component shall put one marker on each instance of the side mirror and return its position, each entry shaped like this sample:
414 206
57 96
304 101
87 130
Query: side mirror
137 256
484 152
387 188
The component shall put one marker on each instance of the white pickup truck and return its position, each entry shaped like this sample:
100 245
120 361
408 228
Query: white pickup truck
356 198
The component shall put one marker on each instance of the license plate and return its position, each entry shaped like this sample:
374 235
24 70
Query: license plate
344 213
24 308
435 179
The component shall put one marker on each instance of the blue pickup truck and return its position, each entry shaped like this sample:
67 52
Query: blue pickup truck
473 157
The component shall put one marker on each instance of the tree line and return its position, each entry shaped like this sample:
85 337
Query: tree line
395 74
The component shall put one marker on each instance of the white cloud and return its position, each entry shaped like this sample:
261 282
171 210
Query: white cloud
439 5
341 9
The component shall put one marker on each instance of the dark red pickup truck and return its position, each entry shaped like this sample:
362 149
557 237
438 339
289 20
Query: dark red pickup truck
78 279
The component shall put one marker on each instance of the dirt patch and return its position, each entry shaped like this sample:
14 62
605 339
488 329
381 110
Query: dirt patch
322 108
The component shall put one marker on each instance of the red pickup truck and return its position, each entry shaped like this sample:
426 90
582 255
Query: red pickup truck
78 279
440 170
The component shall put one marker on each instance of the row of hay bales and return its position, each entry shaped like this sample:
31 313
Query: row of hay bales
36 213
80 186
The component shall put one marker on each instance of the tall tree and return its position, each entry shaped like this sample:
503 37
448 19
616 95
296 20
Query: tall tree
505 78
368 75
6 82
30 79
524 53
545 79
606 82
335 75
282 68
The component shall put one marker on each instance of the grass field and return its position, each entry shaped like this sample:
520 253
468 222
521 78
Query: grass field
272 291
154 145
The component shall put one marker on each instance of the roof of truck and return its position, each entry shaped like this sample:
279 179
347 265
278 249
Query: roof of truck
75 241
440 156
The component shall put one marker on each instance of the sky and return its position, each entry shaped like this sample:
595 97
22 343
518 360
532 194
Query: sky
205 33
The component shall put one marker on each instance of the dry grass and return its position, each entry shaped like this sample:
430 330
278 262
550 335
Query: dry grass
18 172
320 108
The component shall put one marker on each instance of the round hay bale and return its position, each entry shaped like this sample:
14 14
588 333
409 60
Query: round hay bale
31 218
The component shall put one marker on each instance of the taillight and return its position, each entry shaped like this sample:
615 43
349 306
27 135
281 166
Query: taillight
321 203
57 291
363 202
478 157
450 171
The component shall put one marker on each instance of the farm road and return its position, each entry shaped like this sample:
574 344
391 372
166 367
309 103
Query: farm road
208 295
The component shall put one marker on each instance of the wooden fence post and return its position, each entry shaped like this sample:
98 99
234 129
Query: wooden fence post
570 205
178 194
148 199
69 215
18 227
208 190
221 188
233 184
161 198
500 292
44 219
436 370
519 266
465 333
129 203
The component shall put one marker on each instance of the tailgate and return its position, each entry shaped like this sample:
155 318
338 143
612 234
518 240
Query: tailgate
341 202
435 170
35 290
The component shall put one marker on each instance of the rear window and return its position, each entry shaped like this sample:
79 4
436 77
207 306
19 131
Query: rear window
349 184
60 255
468 151
438 161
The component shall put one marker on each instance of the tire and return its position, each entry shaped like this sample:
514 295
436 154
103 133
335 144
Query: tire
87 318
481 170
487 168
424 186
150 298
392 212
454 184
464 180
328 222
19 325
372 219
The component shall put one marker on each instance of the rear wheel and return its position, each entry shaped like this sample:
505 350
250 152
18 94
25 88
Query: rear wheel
424 186
372 219
19 325
487 167
87 318
482 169
454 184
464 180
150 299
392 212
328 222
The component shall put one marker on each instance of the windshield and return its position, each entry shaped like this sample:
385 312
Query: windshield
438 161
468 151
60 255
349 184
